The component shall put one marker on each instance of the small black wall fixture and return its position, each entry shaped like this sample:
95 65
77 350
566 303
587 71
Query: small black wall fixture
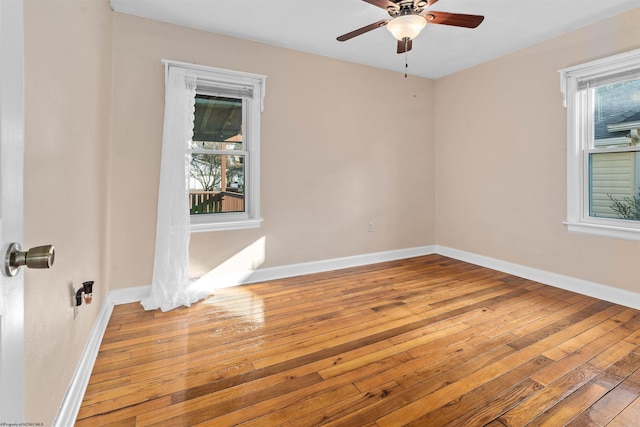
87 291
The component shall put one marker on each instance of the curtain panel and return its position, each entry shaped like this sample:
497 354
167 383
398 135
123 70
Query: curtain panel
170 282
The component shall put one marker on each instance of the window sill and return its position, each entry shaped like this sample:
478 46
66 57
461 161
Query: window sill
617 232
198 227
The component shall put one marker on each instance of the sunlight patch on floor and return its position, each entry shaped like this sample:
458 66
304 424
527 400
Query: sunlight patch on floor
222 283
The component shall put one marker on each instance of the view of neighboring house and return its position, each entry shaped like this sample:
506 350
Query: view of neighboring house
615 175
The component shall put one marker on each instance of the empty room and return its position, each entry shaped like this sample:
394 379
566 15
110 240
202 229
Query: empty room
320 212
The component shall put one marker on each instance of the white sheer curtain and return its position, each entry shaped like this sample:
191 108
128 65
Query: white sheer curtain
170 283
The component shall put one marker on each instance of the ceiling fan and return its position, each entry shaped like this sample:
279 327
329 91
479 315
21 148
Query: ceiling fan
408 19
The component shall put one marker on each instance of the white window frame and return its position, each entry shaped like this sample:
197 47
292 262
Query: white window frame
211 80
580 137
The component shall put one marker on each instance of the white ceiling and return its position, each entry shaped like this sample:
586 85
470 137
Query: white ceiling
313 25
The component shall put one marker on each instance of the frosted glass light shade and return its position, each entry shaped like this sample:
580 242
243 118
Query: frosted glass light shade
406 26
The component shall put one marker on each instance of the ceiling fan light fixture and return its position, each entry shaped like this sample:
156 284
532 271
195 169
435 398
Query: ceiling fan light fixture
406 26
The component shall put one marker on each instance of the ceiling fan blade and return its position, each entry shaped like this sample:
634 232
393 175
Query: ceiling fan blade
455 19
363 30
402 47
430 2
383 4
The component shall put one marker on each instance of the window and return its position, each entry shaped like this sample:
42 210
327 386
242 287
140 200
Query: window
224 174
216 173
603 135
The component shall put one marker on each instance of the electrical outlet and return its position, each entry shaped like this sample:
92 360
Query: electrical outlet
370 227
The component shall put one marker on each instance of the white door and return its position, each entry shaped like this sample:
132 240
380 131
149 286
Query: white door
11 181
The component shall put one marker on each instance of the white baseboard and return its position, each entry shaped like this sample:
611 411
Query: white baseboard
592 289
580 286
72 401
273 273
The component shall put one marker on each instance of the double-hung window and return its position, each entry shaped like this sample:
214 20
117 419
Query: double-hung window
603 156
224 173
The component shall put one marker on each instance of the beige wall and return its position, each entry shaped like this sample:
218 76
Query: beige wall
67 115
342 145
501 159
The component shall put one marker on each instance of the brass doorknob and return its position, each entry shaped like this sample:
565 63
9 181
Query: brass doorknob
38 257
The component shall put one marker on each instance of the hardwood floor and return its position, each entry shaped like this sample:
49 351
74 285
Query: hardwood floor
426 341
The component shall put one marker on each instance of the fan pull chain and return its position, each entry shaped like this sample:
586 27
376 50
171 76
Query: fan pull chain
406 65
406 56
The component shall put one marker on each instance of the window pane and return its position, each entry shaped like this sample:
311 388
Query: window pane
217 180
616 112
217 123
216 183
614 187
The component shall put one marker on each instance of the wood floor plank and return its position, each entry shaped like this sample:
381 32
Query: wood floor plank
530 315
568 317
569 408
622 393
545 399
356 336
302 407
436 393
613 354
605 335
606 408
619 371
246 400
346 366
420 341
302 402
124 414
488 401
341 409
629 416
496 406
431 365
